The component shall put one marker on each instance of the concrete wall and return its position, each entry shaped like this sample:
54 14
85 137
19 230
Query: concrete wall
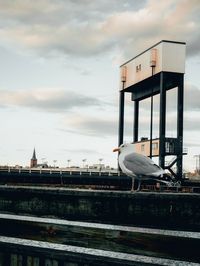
123 239
167 210
21 252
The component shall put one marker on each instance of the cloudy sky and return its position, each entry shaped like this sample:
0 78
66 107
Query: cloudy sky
59 80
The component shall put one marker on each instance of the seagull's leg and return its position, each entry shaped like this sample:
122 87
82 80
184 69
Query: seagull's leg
133 182
139 185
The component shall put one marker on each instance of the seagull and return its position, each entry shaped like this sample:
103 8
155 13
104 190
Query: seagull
138 166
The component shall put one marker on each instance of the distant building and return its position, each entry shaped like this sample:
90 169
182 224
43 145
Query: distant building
33 162
43 165
99 166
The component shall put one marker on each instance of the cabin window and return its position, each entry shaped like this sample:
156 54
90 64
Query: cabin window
155 146
142 147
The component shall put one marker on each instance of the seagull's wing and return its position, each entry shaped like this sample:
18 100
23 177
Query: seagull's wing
141 165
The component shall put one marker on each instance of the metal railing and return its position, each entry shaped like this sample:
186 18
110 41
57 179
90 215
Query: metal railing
61 171
173 189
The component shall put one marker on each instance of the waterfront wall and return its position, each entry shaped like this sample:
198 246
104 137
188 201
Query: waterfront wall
21 252
161 210
28 239
168 244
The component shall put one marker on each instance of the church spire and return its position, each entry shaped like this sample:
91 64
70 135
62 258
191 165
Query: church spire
34 155
33 162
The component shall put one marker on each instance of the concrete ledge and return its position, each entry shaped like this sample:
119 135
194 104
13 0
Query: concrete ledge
171 233
161 210
133 240
66 253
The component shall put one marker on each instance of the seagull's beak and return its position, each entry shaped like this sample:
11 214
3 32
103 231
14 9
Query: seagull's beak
116 149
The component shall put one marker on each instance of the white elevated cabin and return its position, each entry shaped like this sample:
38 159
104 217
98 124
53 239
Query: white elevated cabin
166 56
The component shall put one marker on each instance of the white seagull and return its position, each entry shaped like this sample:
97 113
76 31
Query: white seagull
137 165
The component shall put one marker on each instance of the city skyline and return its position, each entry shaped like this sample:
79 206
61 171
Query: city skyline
60 75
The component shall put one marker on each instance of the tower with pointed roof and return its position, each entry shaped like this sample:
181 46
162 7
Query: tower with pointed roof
33 162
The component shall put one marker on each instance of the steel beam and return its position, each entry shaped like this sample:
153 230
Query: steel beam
180 104
121 118
162 128
136 121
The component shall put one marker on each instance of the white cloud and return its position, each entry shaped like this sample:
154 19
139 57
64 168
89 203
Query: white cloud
91 125
64 27
57 100
50 100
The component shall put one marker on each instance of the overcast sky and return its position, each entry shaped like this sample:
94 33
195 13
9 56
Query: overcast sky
59 80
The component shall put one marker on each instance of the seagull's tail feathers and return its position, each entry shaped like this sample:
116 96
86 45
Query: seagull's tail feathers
158 173
166 179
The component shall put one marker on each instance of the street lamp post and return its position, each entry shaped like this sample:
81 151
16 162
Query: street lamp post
84 160
197 163
68 161
100 161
